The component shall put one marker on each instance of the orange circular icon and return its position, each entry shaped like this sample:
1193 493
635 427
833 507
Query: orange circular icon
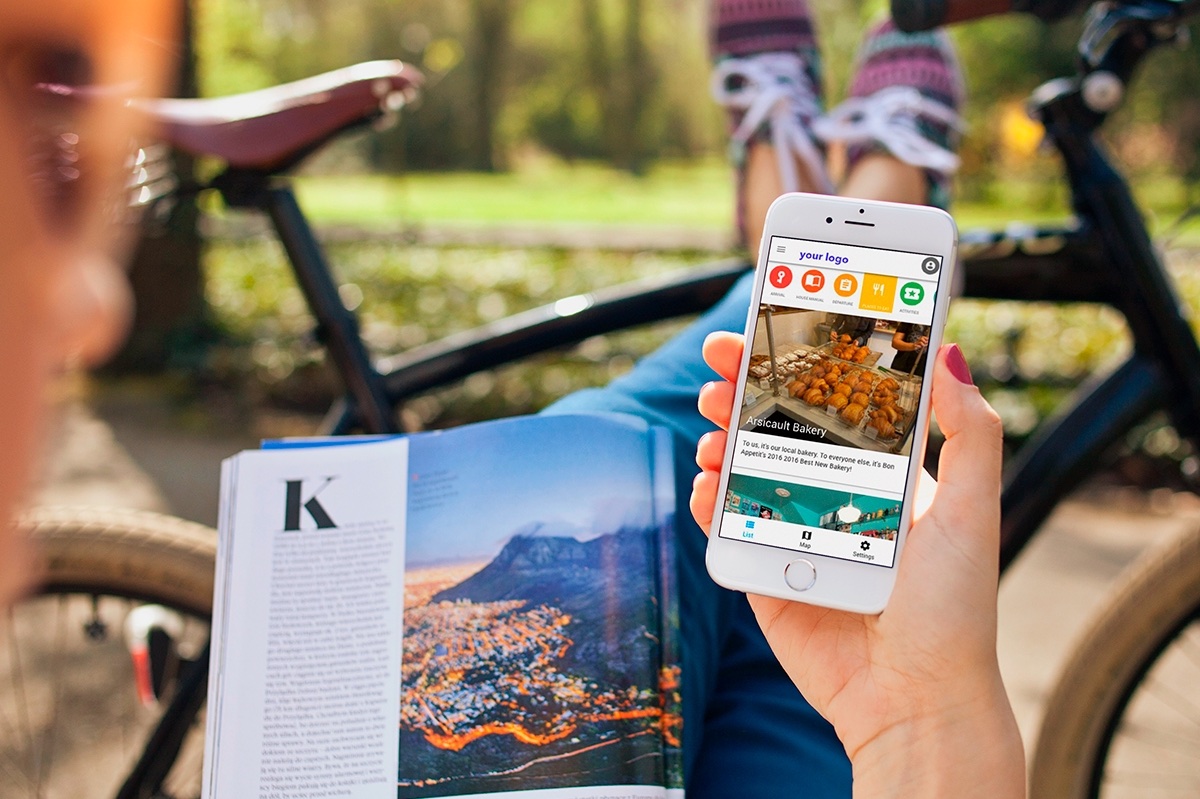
845 285
813 281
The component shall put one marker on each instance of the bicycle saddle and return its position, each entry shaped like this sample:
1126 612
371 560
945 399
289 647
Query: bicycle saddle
272 129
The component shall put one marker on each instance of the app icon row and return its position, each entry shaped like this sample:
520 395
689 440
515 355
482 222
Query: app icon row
878 291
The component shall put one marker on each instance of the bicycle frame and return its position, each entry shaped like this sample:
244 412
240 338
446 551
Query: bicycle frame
1108 257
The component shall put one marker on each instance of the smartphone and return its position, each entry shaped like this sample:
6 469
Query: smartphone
832 400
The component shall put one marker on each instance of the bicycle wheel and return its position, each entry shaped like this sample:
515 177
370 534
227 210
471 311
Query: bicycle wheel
71 721
1124 718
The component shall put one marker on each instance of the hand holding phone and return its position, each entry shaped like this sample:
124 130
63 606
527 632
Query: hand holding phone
819 475
916 690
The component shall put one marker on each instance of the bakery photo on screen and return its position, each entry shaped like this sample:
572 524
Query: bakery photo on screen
834 378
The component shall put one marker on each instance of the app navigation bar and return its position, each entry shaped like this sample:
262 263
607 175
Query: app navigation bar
886 284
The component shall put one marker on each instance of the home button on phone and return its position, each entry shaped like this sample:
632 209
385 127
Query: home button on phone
800 574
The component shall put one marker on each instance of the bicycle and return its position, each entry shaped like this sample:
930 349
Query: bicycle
1104 256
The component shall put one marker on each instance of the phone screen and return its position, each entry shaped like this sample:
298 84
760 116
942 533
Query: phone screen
825 432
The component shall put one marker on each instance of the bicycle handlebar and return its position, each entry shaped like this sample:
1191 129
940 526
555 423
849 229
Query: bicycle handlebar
922 15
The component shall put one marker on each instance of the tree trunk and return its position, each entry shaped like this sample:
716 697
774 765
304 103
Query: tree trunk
635 92
598 66
171 319
492 25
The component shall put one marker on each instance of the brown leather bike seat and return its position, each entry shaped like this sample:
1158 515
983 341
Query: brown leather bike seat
271 129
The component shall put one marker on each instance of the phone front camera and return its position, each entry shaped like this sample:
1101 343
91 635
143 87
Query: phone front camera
829 220
862 210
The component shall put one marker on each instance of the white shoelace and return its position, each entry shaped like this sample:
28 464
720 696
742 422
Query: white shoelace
771 88
889 117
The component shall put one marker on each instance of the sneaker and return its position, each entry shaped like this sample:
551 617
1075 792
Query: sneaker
904 100
767 76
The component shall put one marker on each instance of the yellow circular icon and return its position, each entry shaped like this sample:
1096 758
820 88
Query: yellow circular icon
845 285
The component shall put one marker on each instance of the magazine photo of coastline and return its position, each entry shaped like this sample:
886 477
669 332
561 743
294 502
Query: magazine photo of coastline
539 644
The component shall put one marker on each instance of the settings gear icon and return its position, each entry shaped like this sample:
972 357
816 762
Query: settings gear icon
864 546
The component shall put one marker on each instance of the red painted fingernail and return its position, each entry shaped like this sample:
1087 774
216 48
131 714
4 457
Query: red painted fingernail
957 364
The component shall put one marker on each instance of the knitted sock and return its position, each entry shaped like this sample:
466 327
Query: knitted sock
744 29
926 62
749 27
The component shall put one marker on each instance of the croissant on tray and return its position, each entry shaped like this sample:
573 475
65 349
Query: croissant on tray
891 412
814 396
837 401
859 398
883 427
853 413
845 389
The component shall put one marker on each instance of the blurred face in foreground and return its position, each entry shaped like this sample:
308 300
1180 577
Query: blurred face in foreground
67 70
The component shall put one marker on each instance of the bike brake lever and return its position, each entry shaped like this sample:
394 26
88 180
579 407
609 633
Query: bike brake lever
1106 22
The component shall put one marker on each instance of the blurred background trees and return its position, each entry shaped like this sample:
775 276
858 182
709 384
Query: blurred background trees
581 112
626 81
622 81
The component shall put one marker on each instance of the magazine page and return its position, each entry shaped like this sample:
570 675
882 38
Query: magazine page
532 659
307 635
541 648
670 679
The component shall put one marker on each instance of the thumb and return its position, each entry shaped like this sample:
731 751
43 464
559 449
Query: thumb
970 463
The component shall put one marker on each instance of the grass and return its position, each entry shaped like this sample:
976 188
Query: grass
677 195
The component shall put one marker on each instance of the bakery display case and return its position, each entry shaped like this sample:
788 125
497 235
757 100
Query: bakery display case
835 388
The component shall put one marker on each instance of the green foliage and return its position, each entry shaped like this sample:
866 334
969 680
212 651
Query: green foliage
523 61
626 81
1027 357
407 297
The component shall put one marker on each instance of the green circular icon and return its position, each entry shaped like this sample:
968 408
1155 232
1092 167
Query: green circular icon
912 293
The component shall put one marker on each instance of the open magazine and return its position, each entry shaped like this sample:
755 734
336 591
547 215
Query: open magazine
485 610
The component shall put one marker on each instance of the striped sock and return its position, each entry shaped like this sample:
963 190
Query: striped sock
747 28
925 61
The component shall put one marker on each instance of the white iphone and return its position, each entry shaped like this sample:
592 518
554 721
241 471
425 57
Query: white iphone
832 402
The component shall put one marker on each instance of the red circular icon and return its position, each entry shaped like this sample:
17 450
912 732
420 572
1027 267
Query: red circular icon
781 277
813 281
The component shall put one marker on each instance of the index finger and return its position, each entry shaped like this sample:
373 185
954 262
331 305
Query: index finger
723 352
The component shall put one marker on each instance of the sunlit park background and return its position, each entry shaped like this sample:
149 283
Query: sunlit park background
565 146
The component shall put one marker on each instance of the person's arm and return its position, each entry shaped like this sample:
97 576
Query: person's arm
901 344
862 331
914 693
